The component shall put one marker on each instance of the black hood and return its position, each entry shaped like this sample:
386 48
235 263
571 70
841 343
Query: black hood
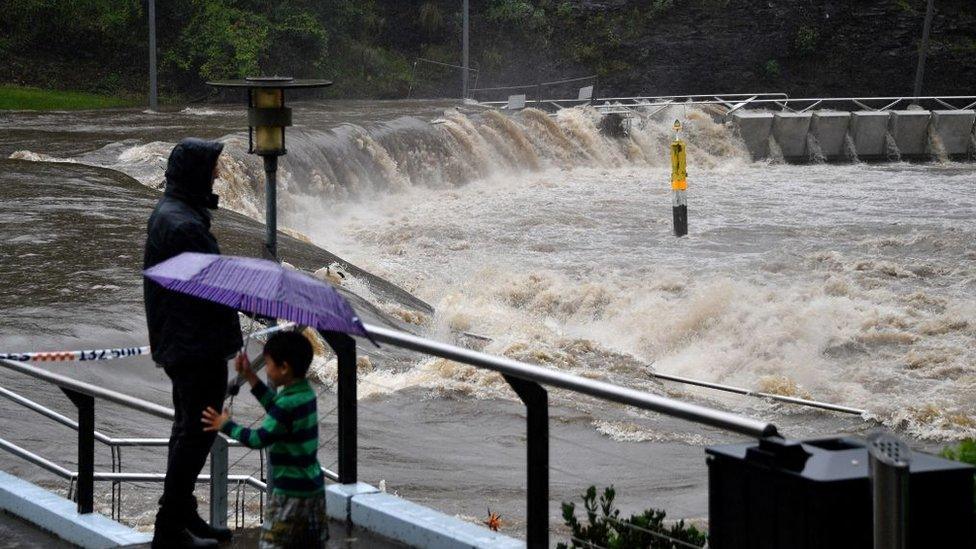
189 171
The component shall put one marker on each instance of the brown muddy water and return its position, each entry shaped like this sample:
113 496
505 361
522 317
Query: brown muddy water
846 283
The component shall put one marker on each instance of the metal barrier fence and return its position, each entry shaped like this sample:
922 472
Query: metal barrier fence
526 380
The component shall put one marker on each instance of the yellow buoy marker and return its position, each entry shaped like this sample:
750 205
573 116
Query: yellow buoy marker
679 183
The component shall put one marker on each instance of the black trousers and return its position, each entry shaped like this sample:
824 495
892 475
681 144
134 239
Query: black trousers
195 387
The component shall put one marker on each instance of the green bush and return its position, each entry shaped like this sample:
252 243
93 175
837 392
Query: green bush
605 527
805 42
771 68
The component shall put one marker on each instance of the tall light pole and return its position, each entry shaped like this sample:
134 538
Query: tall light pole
153 95
923 48
464 55
267 118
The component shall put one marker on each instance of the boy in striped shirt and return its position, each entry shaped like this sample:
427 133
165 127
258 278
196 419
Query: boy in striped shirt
296 510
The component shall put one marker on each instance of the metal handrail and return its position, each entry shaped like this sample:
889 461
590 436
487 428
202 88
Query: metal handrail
76 387
562 380
658 100
94 391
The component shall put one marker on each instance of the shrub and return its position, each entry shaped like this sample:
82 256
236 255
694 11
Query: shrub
607 529
805 42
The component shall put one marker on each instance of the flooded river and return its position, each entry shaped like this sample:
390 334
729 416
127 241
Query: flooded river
851 284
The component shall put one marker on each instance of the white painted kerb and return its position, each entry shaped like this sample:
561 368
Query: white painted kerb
60 516
407 522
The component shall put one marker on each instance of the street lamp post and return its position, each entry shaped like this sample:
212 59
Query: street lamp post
267 118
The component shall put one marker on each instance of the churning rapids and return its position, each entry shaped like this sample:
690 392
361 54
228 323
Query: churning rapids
850 283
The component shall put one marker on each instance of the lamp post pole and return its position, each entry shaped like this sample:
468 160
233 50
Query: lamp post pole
267 118
271 205
923 48
464 55
153 96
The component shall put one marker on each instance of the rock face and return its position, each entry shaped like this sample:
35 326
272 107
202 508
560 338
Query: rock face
820 47
802 47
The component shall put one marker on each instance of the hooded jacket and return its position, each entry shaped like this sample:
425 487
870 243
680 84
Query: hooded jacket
185 330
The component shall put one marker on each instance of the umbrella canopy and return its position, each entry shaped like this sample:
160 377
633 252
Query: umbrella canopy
258 286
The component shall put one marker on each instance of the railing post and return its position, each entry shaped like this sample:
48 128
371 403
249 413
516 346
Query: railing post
536 401
218 483
86 449
345 350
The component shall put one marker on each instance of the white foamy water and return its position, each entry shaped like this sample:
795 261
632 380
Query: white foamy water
845 283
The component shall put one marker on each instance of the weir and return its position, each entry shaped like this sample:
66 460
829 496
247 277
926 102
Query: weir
806 129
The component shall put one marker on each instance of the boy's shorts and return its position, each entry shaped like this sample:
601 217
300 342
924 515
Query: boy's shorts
295 522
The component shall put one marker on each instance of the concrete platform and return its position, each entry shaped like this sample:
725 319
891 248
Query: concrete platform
340 536
830 130
868 129
755 129
910 128
955 129
59 516
790 131
409 523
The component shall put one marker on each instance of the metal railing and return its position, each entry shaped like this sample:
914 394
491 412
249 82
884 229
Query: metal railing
787 104
528 381
81 487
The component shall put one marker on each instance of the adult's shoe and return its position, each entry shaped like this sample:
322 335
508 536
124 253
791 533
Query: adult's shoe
200 528
181 539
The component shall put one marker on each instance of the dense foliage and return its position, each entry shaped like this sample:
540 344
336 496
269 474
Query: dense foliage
605 527
373 48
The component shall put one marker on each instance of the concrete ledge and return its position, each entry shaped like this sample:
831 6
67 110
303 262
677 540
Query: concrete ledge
338 497
755 128
954 128
910 129
790 131
407 522
830 129
60 516
868 130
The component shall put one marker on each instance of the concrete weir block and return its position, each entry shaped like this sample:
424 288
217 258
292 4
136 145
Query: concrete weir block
407 522
910 129
955 129
755 129
790 131
830 129
51 512
868 129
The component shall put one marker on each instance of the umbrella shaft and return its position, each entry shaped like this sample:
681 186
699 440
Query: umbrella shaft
271 205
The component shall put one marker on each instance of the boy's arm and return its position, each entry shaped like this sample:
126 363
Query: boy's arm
272 429
263 393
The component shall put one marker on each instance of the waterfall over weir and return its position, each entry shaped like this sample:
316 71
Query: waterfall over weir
352 162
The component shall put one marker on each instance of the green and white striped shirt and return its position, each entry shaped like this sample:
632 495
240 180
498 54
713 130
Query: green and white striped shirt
291 433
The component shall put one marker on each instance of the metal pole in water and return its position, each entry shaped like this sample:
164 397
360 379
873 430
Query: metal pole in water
923 48
464 56
679 183
153 95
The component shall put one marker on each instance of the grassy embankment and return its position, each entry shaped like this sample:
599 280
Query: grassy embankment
24 98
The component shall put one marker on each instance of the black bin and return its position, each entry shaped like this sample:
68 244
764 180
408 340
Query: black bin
817 494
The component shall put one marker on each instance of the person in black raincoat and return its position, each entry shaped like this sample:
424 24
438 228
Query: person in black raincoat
192 339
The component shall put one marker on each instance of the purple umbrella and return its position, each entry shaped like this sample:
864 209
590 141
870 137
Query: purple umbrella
258 286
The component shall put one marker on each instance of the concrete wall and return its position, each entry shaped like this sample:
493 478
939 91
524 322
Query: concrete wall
790 132
755 128
868 129
830 129
911 132
955 129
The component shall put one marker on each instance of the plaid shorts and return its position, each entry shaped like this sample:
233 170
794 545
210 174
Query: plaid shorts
294 522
